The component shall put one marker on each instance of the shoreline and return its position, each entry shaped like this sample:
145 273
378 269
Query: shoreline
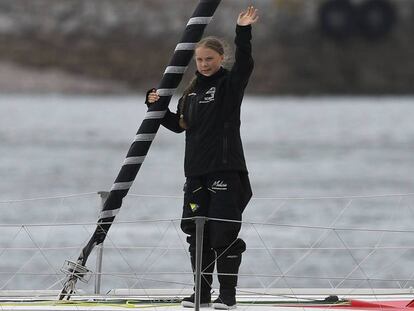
19 79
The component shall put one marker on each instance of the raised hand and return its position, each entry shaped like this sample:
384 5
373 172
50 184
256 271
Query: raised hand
248 17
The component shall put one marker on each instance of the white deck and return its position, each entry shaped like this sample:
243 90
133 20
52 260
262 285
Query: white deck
335 253
45 300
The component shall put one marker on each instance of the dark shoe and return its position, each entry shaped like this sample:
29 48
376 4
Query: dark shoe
188 302
225 303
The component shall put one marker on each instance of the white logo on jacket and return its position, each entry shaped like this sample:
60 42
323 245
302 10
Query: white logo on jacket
219 185
209 96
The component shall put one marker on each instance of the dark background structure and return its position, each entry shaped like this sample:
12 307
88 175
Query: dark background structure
125 44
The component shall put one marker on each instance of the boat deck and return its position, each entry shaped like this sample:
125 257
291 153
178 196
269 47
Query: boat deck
275 299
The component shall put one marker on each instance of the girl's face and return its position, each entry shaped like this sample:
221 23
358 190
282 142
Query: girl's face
208 61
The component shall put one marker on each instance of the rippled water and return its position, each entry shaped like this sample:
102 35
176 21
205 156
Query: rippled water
295 147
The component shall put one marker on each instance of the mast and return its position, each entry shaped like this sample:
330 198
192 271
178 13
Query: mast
143 139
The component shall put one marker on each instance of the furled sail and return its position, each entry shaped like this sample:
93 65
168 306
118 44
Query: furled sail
146 133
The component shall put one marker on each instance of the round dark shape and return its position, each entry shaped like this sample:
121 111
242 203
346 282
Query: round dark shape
337 18
376 18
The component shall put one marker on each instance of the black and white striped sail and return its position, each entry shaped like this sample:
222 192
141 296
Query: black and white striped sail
172 77
146 133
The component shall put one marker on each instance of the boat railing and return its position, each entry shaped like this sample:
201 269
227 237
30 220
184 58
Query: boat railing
341 244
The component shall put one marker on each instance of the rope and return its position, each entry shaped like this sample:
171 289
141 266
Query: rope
159 196
56 197
173 224
138 221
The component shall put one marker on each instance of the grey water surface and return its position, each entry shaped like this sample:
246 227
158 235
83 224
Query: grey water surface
319 167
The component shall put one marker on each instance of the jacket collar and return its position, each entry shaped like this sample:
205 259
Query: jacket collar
204 79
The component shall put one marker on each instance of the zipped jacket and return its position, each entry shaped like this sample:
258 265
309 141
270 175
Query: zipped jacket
212 114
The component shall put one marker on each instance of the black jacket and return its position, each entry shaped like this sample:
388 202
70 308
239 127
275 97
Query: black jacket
212 113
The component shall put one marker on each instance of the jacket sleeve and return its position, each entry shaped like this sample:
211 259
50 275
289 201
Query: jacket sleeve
171 121
243 65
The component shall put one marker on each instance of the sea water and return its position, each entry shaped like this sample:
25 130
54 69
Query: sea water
321 169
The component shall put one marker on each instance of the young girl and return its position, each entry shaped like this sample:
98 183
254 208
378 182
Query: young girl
217 184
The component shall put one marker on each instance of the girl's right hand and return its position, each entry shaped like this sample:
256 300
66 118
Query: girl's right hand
248 17
152 96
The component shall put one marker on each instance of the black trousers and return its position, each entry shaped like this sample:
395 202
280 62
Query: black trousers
220 195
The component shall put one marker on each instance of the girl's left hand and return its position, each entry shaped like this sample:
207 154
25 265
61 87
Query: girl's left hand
248 17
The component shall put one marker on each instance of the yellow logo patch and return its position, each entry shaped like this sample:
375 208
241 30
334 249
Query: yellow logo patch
194 206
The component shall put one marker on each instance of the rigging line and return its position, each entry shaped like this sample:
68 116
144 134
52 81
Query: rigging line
216 219
256 277
360 268
67 224
83 226
102 273
321 238
394 219
15 236
264 294
44 248
349 197
186 252
251 270
50 228
161 273
358 264
153 251
399 203
398 281
18 232
267 275
58 282
56 197
334 228
293 198
275 262
135 277
393 263
367 279
41 252
410 210
156 196
183 244
108 258
360 248
30 259
283 203
126 261
378 248
274 211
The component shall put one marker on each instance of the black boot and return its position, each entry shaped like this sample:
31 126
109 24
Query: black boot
227 270
228 263
207 269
